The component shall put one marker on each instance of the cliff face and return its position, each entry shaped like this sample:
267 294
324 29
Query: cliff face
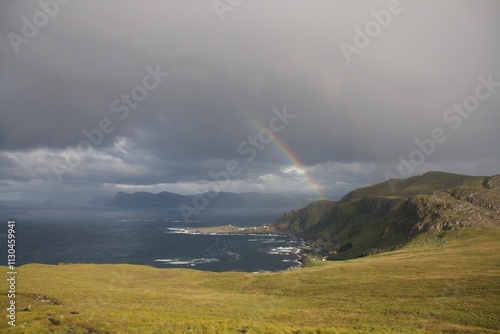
302 220
385 216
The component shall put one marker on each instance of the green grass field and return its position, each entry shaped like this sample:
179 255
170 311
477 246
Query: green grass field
436 285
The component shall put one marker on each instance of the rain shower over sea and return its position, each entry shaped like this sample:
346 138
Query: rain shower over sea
153 237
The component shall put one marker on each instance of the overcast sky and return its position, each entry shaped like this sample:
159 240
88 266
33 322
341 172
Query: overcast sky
350 94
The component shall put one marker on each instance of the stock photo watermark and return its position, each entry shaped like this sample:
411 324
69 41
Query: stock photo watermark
249 149
122 107
222 7
371 30
11 273
453 117
31 27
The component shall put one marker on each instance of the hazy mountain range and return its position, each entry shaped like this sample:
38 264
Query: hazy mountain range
210 200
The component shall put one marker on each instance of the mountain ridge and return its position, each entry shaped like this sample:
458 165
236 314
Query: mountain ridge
387 215
213 200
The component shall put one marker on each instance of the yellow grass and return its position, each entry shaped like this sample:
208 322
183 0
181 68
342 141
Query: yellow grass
448 285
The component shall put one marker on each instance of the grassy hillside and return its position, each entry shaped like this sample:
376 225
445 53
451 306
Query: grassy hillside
387 215
424 184
446 284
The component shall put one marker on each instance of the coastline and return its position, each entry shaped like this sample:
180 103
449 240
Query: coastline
301 259
304 253
231 229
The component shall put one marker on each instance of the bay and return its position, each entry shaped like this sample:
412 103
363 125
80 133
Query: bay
154 237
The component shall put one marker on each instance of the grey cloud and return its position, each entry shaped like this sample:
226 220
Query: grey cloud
224 76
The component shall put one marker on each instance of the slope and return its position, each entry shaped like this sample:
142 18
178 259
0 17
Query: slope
387 215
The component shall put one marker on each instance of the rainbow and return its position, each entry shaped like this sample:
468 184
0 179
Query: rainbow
291 157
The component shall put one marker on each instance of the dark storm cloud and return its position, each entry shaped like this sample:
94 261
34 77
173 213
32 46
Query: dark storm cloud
224 76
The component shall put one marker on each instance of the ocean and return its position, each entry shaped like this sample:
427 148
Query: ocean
155 237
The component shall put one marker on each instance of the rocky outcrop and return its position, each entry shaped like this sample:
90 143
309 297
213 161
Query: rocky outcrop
457 208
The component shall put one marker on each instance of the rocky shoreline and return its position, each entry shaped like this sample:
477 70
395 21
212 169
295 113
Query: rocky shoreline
231 229
305 254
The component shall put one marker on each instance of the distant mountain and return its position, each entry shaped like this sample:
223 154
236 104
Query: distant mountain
100 201
387 215
214 200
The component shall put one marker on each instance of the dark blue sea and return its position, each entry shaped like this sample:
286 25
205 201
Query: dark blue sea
153 237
